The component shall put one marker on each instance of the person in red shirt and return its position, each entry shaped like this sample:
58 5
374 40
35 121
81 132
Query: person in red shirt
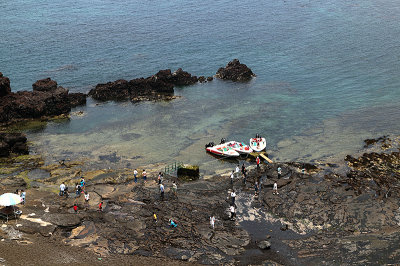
75 208
101 206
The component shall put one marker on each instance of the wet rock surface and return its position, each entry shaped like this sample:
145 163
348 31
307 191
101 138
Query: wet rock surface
235 71
319 217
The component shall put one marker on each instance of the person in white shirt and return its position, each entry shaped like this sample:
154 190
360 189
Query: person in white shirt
212 221
86 196
237 171
232 176
62 189
233 214
275 189
233 196
135 173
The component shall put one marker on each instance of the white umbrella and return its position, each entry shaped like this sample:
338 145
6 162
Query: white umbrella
10 199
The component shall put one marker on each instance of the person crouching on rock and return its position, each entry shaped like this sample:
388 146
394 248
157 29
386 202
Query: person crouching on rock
100 206
86 196
173 223
75 208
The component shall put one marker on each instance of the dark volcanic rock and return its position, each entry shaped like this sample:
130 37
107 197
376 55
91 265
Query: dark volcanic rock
264 244
62 219
25 104
157 87
235 71
45 85
4 85
13 142
77 99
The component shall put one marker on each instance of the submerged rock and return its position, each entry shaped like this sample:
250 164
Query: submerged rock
13 143
188 172
264 244
235 71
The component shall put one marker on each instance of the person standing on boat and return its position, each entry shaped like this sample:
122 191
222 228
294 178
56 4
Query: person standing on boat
135 172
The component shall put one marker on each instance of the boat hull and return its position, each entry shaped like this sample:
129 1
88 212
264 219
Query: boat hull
258 144
222 150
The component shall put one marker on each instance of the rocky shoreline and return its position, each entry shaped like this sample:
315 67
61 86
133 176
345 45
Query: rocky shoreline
318 217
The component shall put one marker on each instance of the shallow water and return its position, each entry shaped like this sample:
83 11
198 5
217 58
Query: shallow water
327 75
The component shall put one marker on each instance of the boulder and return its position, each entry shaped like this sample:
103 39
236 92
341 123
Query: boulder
62 219
13 142
77 99
45 85
183 78
36 104
264 244
4 85
235 71
188 172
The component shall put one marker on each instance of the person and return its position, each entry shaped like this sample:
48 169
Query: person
172 223
23 194
159 178
83 184
75 208
62 188
233 196
135 172
212 221
155 217
86 196
243 169
144 174
275 189
101 206
232 176
233 214
279 172
244 178
78 189
174 188
256 188
162 191
237 171
258 161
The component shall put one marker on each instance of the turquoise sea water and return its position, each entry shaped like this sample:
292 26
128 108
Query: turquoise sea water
327 74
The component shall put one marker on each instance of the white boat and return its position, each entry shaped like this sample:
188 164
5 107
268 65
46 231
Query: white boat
240 147
258 143
221 150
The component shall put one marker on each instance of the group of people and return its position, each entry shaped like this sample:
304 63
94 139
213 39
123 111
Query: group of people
160 180
144 175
